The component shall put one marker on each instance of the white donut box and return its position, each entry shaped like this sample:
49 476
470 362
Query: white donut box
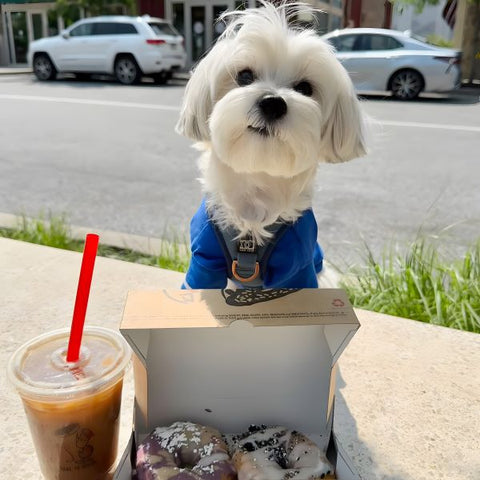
231 359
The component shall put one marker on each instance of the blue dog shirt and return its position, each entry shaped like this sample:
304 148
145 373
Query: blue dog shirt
293 263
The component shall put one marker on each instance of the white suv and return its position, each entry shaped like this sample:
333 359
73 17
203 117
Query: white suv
126 47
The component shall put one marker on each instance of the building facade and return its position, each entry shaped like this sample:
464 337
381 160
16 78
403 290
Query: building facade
429 22
22 21
367 13
196 19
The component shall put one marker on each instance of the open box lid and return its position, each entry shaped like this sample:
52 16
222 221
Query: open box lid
232 358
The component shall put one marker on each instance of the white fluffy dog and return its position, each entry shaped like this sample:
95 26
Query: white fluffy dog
267 104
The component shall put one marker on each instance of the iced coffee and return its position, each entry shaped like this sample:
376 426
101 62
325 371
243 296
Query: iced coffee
73 409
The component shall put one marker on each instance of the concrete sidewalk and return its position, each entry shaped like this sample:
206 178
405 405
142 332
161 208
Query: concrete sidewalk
408 399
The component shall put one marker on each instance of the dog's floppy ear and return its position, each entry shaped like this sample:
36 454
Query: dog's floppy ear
197 105
198 99
343 131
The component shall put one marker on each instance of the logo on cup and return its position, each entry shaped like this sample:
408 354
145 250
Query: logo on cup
76 449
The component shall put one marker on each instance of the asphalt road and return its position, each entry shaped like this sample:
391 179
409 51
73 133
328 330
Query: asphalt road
107 156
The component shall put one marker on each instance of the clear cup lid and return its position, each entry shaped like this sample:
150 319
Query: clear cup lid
39 367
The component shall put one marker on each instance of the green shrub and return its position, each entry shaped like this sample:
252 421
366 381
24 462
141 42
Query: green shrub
420 285
439 41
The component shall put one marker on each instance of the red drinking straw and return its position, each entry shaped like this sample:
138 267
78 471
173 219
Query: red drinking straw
83 291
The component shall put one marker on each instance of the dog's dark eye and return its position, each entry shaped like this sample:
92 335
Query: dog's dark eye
245 77
304 87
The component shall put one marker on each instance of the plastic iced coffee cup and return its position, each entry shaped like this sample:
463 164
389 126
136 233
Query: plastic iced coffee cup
73 409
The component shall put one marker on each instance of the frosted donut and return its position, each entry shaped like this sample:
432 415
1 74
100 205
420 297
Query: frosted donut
184 451
275 453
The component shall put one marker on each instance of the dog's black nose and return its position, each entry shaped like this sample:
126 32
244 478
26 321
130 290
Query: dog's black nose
272 107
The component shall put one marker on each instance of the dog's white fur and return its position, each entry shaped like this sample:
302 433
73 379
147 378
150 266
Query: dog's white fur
251 180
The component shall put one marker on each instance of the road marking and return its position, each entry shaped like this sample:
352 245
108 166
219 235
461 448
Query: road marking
439 126
82 101
105 103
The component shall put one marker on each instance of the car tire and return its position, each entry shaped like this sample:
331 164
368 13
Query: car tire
406 84
127 70
43 67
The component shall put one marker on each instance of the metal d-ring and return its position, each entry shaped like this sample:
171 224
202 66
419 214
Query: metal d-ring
253 276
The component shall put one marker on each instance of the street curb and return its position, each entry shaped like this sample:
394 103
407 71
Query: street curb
138 243
328 278
472 88
14 71
24 71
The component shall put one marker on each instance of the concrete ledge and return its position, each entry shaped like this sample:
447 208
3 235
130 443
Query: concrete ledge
408 399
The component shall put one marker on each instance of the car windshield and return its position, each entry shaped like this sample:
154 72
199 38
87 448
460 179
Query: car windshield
162 28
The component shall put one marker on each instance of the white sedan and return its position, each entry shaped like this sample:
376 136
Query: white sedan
386 60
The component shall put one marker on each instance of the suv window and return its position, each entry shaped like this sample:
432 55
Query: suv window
379 42
162 28
82 30
113 28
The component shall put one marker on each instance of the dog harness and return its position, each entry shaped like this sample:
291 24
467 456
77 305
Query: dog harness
246 259
291 259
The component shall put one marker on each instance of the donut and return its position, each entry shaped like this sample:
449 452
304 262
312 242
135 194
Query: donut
276 453
184 451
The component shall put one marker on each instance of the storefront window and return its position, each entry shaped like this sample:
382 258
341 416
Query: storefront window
52 23
198 32
37 25
218 26
321 25
178 18
335 22
20 36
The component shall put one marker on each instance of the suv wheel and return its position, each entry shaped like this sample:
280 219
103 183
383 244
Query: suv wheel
43 67
126 70
406 84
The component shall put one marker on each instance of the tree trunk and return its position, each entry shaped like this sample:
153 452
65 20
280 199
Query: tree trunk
472 43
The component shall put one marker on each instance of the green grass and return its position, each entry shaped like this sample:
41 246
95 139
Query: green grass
439 41
53 231
420 284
